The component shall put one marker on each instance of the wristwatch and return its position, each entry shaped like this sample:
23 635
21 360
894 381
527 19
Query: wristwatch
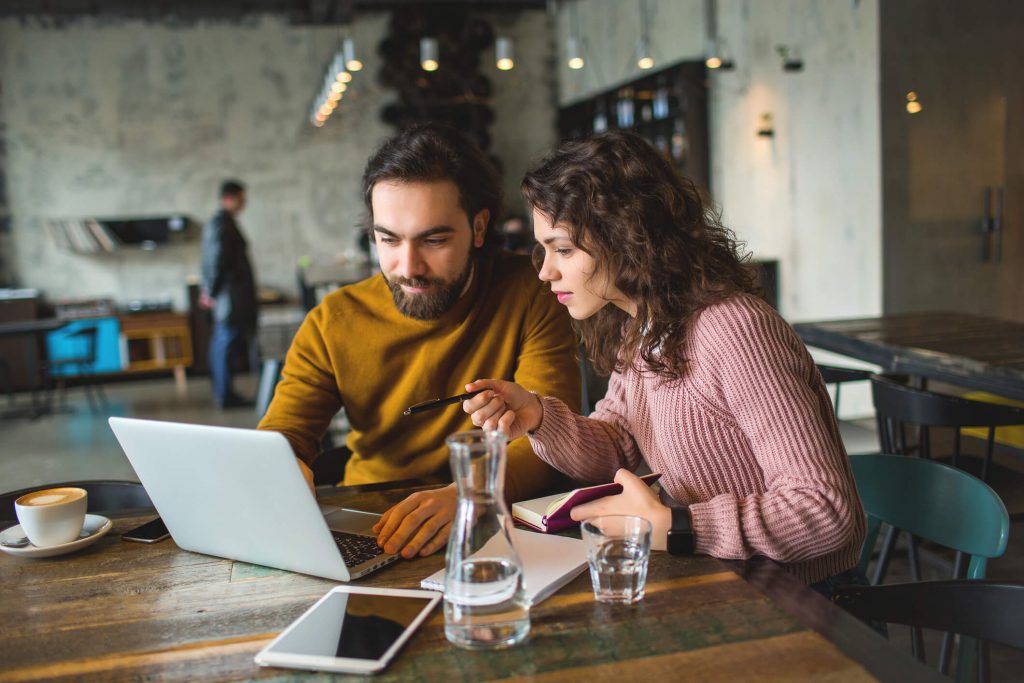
680 536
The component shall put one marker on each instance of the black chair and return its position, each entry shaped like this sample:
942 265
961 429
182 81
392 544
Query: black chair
833 374
82 362
989 611
104 496
329 466
898 407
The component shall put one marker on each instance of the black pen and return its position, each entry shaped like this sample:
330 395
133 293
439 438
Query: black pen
440 402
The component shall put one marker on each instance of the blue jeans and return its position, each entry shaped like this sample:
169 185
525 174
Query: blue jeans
223 342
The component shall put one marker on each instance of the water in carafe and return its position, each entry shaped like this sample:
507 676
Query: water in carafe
485 604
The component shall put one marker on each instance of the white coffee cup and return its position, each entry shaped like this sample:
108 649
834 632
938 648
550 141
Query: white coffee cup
52 516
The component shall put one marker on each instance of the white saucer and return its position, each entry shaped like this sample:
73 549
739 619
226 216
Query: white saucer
96 525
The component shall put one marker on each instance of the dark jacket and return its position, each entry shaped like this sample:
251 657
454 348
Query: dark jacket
227 273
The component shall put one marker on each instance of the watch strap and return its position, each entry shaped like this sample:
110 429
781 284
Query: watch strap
680 535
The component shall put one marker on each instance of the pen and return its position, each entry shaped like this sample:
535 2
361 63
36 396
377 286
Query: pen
440 402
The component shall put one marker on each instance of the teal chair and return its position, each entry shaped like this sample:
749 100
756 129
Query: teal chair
938 503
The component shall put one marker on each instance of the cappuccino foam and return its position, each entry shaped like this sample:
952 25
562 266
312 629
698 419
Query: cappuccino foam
51 497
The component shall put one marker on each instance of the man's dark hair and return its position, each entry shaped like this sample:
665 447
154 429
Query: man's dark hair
231 188
431 152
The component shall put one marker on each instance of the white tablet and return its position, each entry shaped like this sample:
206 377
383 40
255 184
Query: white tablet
350 630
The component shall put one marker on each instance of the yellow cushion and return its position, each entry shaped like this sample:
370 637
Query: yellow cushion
1010 436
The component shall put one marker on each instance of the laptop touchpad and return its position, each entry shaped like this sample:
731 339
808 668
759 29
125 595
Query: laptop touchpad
352 521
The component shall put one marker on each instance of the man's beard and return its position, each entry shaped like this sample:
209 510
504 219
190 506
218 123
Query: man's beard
429 305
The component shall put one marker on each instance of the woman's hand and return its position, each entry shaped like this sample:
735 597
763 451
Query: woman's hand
504 406
636 498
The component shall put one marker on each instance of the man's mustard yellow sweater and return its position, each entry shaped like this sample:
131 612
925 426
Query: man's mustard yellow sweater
356 350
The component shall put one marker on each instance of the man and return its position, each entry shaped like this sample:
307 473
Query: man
448 307
228 288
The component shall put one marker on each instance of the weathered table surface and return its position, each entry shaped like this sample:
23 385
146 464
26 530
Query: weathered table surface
117 611
971 351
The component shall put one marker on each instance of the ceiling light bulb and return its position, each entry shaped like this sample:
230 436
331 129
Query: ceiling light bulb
429 54
713 62
344 77
503 54
643 56
348 47
572 51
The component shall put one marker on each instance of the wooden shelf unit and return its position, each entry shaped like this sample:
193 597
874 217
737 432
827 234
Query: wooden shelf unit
157 341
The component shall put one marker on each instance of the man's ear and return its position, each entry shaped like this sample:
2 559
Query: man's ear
480 221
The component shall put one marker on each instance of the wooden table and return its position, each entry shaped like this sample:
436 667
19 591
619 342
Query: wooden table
34 333
120 611
971 351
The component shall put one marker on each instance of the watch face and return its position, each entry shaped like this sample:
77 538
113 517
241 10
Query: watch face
680 542
680 536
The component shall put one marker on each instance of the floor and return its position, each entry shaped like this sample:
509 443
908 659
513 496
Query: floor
76 443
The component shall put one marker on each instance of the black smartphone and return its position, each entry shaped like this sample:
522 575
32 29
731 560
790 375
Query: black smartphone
150 532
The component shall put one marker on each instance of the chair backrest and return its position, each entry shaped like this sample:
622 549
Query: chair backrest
897 406
922 407
989 610
104 496
933 501
833 374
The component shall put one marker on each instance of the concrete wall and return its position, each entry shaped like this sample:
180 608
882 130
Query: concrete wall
131 118
811 195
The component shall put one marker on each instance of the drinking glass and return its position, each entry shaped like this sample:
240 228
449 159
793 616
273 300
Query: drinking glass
618 550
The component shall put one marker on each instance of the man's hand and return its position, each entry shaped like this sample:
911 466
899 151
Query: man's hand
504 406
419 524
308 474
636 498
206 301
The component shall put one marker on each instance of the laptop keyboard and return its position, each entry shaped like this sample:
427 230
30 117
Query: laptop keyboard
356 549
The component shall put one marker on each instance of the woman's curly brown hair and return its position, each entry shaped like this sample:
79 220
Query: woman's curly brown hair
649 228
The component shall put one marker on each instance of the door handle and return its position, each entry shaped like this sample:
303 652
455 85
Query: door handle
992 225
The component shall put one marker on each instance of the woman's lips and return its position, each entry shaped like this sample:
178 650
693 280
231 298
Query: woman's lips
563 296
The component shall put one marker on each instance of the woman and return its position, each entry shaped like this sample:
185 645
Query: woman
709 386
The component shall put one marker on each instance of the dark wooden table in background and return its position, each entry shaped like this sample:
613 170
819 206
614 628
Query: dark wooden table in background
971 351
117 611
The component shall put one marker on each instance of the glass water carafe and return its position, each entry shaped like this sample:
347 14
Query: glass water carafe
485 604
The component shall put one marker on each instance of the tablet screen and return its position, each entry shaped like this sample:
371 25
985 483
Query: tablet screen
351 625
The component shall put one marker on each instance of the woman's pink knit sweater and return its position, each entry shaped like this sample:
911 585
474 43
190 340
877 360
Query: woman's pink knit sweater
747 440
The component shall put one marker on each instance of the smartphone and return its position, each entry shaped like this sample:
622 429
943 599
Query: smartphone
351 630
150 532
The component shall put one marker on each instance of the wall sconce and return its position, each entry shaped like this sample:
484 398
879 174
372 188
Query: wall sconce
348 47
766 129
791 61
504 57
913 104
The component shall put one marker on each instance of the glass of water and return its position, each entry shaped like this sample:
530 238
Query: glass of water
618 548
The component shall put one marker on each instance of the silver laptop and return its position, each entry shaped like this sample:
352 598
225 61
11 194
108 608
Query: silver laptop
239 493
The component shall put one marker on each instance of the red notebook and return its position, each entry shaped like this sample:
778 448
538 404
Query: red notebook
551 513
